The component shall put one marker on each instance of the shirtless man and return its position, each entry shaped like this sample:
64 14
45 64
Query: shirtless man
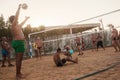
119 36
78 45
18 41
57 60
39 45
83 44
60 62
5 52
99 42
115 38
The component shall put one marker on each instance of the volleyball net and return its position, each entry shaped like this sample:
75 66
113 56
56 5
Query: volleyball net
53 42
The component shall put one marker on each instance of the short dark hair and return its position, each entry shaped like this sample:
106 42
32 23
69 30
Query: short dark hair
59 49
11 18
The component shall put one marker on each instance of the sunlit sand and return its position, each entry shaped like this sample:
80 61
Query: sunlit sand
45 69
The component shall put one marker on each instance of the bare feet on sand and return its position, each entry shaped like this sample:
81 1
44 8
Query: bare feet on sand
20 77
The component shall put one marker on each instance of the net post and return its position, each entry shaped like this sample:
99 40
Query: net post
30 46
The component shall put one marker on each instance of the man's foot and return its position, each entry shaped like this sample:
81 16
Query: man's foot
20 76
119 51
76 60
80 54
116 51
10 65
3 66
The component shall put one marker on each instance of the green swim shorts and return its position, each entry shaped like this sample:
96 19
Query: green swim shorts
19 46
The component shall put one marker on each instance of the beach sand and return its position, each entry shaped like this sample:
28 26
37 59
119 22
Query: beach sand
45 69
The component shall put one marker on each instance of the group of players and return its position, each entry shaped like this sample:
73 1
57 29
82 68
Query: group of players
97 41
18 44
38 44
68 53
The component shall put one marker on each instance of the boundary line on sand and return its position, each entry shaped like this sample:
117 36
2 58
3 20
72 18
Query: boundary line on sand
97 72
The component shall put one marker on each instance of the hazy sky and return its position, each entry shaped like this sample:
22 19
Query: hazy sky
62 12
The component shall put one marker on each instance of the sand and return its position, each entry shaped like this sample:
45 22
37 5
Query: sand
45 69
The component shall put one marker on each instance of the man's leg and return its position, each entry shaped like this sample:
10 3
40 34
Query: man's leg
102 45
19 57
67 54
118 44
71 60
114 45
97 45
40 53
36 53
3 61
93 46
9 60
80 51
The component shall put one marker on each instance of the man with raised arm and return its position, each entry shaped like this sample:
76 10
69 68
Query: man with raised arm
18 40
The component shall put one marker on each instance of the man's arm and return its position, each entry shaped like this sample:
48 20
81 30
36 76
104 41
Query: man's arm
22 23
17 15
117 32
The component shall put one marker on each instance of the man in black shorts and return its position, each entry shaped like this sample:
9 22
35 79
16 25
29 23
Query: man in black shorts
39 45
58 61
99 42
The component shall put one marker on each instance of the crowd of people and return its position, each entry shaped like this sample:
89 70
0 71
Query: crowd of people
18 44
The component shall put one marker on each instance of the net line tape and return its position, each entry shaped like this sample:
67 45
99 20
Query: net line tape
73 36
97 72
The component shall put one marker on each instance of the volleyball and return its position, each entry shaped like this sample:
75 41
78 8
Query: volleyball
24 6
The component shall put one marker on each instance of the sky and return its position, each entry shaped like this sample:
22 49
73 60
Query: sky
62 12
